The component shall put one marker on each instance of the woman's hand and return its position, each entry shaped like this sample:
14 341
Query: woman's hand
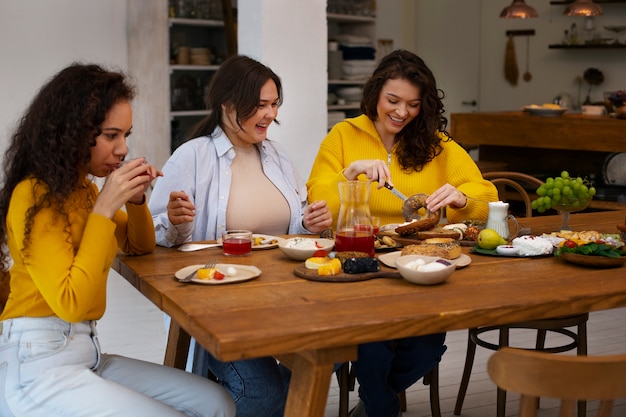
128 183
446 195
317 217
374 170
180 209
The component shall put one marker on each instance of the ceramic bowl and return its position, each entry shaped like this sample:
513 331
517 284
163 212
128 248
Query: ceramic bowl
406 267
301 248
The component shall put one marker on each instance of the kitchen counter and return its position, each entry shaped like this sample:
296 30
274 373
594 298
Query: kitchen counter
543 146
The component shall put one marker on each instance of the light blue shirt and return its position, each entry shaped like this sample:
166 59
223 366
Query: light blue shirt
201 168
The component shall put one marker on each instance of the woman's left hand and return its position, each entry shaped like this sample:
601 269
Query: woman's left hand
317 217
446 195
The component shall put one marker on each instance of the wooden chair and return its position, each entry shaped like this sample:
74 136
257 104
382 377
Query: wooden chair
577 339
346 380
570 378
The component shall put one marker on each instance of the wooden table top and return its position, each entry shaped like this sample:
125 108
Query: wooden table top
311 325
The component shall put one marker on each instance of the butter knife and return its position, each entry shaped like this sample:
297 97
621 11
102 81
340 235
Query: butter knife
395 192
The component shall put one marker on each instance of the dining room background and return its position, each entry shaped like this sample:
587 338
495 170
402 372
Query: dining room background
463 41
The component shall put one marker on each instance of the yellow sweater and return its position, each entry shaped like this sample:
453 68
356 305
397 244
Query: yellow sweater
64 274
356 139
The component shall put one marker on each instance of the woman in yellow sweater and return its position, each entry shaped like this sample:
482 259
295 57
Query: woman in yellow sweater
62 235
400 139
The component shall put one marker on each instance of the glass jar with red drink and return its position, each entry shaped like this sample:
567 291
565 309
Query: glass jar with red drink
354 226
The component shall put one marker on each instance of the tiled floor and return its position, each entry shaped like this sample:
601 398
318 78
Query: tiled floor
132 326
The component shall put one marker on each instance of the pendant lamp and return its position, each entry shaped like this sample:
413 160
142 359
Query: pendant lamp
518 10
583 8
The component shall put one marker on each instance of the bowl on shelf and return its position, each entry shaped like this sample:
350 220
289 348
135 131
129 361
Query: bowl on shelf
424 270
302 248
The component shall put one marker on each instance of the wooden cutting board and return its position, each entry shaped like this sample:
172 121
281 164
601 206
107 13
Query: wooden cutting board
419 236
311 274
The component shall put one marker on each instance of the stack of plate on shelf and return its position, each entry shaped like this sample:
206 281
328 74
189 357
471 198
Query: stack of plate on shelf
350 94
200 56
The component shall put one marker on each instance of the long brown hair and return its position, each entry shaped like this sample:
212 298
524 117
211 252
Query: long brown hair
52 142
418 142
237 83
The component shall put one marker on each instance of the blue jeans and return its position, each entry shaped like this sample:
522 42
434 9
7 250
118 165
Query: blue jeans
49 367
384 369
258 386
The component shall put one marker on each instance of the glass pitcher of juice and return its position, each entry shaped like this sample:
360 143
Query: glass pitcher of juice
354 226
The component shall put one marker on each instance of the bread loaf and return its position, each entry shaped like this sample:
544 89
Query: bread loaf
445 248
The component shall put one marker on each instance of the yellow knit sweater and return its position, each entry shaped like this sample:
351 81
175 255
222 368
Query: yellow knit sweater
356 139
64 274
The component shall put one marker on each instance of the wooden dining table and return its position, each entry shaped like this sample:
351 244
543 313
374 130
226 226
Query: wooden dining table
311 325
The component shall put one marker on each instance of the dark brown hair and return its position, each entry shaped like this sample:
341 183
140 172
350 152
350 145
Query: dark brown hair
52 142
418 143
237 83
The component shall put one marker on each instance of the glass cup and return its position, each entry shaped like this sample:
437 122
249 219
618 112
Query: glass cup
237 242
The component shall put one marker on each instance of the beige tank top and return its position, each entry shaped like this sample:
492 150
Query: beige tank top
254 202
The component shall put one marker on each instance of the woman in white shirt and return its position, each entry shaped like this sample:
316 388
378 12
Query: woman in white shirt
230 176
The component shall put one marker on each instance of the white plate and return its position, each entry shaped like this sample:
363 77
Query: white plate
264 246
389 259
267 245
244 273
543 111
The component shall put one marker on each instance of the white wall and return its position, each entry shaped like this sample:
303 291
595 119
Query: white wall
38 38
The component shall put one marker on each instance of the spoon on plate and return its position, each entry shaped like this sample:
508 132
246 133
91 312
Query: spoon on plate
190 247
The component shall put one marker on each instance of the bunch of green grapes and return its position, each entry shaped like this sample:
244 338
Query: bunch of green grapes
563 192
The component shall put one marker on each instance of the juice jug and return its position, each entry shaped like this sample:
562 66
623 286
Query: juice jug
354 226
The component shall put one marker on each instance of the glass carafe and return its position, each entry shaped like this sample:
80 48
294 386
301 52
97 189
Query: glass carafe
354 226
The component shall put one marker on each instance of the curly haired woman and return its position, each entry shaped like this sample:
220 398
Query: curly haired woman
62 235
400 139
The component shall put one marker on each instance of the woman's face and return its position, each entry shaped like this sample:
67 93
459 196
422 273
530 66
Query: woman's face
399 102
111 146
255 128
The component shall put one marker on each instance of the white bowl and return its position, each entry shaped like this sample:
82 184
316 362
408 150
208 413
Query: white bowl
306 247
424 277
507 250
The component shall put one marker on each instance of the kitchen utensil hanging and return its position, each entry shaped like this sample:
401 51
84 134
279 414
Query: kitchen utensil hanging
511 71
527 75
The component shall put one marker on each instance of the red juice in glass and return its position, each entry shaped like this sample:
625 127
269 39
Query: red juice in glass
355 240
237 242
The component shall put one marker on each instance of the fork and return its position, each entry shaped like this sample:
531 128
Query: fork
210 264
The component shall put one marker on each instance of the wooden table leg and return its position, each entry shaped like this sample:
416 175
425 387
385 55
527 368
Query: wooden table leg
177 347
310 379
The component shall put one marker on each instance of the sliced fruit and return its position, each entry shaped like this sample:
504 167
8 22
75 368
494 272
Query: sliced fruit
206 273
316 261
331 268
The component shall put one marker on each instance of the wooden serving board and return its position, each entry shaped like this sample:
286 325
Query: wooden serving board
311 274
419 236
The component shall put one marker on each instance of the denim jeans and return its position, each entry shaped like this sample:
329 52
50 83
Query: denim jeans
384 369
49 367
258 386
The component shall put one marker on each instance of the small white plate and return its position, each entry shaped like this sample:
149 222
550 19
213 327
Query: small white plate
389 259
273 241
244 273
507 250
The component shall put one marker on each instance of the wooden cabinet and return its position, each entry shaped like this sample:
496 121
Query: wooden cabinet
544 146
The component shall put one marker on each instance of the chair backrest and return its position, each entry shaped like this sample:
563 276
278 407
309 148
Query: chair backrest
515 180
538 374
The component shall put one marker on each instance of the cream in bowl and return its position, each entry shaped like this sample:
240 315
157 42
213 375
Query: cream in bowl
424 270
301 248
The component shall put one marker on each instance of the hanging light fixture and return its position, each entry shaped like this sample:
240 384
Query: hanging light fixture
583 8
518 10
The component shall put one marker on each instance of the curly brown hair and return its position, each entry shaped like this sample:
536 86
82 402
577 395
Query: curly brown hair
418 142
52 141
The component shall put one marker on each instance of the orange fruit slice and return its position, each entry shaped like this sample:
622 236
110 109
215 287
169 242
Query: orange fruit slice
331 268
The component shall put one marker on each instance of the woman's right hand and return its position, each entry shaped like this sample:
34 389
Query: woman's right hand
124 185
374 170
180 209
